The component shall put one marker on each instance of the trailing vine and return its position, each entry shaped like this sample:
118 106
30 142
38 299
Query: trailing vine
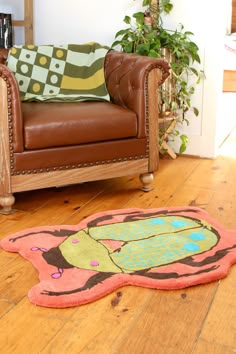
146 35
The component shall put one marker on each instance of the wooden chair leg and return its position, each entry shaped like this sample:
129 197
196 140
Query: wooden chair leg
6 201
146 179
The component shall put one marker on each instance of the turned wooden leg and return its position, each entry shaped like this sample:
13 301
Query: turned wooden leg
146 179
6 201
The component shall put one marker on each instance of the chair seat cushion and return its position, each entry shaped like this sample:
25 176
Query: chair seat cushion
62 124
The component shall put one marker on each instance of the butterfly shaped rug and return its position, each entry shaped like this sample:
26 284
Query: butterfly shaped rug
165 248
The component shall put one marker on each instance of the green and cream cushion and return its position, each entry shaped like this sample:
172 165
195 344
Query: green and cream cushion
73 72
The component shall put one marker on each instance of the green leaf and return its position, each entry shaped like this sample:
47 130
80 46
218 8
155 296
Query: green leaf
186 121
156 46
193 45
143 49
194 71
185 59
182 148
196 58
184 143
198 80
167 8
128 47
139 16
174 106
166 102
122 32
146 3
196 111
188 33
191 90
127 20
188 101
114 44
153 53
183 84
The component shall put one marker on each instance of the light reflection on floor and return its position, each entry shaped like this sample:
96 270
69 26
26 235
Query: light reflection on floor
228 147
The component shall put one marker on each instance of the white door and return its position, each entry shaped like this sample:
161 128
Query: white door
207 20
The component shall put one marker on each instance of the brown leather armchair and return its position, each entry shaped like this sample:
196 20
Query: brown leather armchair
52 144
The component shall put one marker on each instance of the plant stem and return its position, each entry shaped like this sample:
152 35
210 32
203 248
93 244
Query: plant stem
155 13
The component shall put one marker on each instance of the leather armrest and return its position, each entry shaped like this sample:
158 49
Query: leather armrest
3 55
14 108
127 81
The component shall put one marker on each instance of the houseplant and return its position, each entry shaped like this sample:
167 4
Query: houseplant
146 35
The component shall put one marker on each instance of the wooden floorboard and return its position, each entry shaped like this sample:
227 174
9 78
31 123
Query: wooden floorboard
132 320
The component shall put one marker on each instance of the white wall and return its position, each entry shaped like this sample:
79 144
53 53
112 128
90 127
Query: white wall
207 20
228 5
63 21
80 21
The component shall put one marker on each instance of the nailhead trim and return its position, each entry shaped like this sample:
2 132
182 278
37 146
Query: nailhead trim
146 100
9 106
61 168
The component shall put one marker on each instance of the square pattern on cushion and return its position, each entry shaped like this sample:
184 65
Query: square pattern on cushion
73 72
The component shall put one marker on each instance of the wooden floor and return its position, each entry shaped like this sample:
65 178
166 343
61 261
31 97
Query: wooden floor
197 320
